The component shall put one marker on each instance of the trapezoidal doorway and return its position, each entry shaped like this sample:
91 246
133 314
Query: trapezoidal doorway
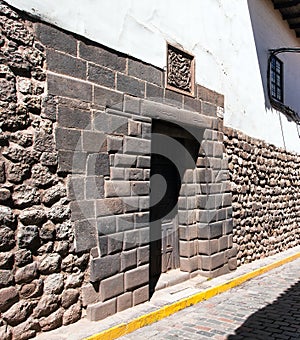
173 151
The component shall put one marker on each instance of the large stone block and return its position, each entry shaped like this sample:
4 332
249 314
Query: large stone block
108 98
210 231
115 243
85 235
82 210
72 162
107 225
136 277
61 63
117 188
94 187
93 141
55 38
140 295
112 287
68 139
128 260
101 76
121 160
213 261
101 310
146 72
102 57
70 88
102 268
135 146
109 206
98 164
130 85
124 301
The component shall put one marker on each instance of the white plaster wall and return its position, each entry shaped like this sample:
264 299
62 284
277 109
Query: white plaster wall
230 56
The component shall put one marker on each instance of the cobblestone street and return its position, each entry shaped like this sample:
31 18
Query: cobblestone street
267 307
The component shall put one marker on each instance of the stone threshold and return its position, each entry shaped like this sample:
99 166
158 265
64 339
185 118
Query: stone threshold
164 299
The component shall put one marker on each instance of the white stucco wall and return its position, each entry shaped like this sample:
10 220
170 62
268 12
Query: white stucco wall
230 47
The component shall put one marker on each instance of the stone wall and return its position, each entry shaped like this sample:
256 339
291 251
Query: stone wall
265 183
75 164
40 273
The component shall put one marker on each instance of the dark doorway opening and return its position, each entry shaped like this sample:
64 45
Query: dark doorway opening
173 151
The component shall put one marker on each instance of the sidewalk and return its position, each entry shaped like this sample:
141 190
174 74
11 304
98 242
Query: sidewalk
169 300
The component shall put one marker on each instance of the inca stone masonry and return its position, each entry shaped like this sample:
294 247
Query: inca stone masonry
86 132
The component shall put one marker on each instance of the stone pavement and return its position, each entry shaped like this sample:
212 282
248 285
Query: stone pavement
249 311
266 307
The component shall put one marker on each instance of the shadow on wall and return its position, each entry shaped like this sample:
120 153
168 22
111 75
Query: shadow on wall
279 320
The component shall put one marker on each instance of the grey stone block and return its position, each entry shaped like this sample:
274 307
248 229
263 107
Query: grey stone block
208 247
140 188
136 277
117 173
144 236
73 118
173 98
55 38
130 85
228 226
107 225
189 264
117 188
210 231
131 239
136 146
85 235
108 98
101 76
143 254
187 248
102 268
114 144
72 162
82 210
143 162
109 206
227 199
65 64
93 141
209 109
102 56
75 188
146 130
140 295
94 187
223 242
212 262
124 301
70 88
128 260
89 295
131 204
103 245
131 105
101 310
192 104
146 72
134 174
115 243
112 287
125 222
125 160
154 92
67 139
98 164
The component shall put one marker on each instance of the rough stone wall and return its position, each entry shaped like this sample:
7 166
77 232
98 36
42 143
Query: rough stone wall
265 183
40 274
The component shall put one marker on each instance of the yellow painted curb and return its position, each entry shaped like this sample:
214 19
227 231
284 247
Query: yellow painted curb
148 319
